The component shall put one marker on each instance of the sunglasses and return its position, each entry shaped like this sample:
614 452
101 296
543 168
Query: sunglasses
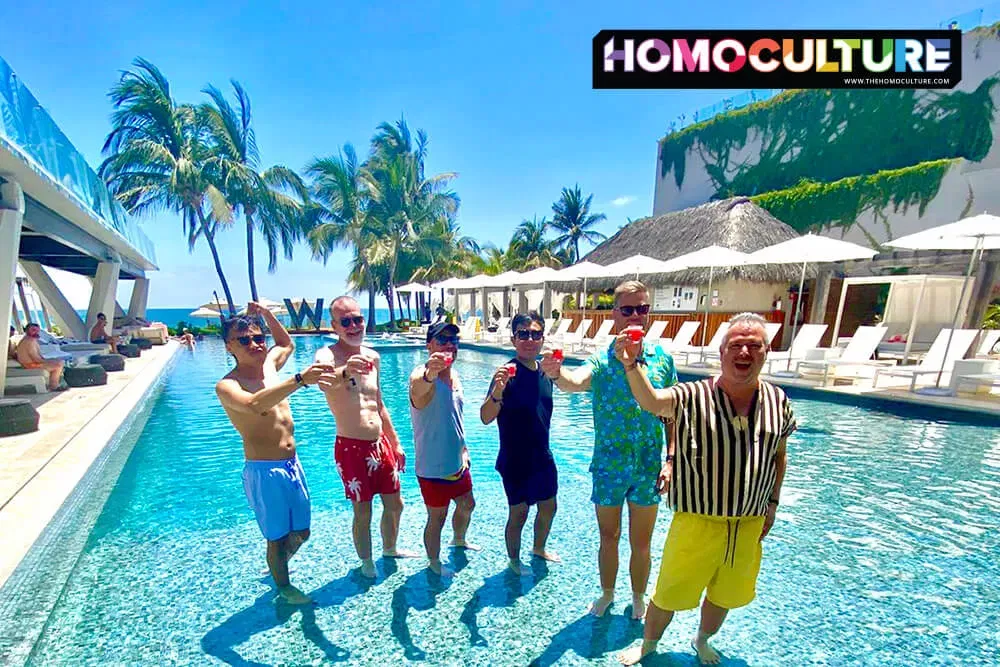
446 340
525 334
627 311
348 321
260 339
736 348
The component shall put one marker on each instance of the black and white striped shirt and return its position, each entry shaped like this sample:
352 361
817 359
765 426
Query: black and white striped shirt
724 464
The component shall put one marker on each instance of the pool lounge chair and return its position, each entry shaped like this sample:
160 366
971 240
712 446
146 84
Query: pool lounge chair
987 341
655 332
501 334
600 339
574 339
807 338
934 361
858 352
19 376
689 350
683 337
771 328
559 329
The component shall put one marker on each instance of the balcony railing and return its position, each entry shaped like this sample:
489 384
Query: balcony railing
987 15
31 133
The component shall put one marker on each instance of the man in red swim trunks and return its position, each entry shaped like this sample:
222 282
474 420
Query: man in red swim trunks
367 451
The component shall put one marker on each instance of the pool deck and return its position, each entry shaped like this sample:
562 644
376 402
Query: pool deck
41 469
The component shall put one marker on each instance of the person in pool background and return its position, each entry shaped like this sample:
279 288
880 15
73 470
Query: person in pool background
367 450
730 444
440 452
256 401
627 463
522 406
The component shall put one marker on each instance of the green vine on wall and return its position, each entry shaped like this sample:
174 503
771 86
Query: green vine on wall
814 206
827 135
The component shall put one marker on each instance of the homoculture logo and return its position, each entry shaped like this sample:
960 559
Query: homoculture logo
777 59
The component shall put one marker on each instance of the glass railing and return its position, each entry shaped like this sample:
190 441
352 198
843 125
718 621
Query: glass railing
987 15
31 133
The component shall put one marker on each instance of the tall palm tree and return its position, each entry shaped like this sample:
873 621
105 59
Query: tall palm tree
261 196
574 219
155 159
529 245
403 198
341 207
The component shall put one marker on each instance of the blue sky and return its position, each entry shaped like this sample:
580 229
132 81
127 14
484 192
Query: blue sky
503 91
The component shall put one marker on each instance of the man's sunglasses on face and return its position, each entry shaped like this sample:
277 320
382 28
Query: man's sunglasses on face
260 339
627 311
348 321
444 339
525 334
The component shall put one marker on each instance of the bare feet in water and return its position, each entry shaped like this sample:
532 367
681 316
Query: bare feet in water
635 654
292 595
515 566
550 556
398 553
462 544
601 604
638 607
437 568
706 654
368 568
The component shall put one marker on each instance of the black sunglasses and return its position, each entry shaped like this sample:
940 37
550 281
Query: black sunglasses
348 321
446 340
525 334
260 339
627 311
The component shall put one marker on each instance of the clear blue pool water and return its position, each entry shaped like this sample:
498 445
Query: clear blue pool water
886 551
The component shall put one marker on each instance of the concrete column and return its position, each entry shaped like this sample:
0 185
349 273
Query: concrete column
140 296
522 300
546 300
821 296
29 316
506 302
102 297
11 217
47 290
486 306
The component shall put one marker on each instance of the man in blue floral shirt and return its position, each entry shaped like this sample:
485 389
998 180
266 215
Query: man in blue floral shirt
628 459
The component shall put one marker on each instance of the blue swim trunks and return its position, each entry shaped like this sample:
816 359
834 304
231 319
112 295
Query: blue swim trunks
540 483
278 495
613 487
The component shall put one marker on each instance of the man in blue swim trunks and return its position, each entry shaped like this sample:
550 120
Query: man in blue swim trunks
628 447
521 403
256 401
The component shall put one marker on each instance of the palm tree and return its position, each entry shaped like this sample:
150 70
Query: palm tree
155 159
261 196
403 198
574 219
341 213
529 245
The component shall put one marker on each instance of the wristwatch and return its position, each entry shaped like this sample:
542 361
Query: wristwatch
298 380
424 376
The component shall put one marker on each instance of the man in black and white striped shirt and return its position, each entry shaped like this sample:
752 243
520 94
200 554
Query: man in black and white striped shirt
727 470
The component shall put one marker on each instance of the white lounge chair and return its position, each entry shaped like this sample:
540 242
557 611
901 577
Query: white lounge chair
19 376
934 361
502 333
858 352
560 329
987 341
655 332
713 345
574 339
772 329
807 338
601 338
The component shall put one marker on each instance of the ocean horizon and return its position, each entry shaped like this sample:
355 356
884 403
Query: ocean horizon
171 316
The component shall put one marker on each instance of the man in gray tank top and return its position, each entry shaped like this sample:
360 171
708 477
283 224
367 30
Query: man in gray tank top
441 456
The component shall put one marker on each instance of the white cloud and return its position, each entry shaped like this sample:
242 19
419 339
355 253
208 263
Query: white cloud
624 200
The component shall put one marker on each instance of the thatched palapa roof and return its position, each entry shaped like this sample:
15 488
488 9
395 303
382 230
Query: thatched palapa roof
736 223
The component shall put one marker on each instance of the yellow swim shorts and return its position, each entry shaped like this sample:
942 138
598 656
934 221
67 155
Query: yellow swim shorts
718 553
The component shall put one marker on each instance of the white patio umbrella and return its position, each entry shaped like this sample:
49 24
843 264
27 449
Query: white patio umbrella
978 234
582 271
713 256
413 288
222 303
205 314
274 306
808 249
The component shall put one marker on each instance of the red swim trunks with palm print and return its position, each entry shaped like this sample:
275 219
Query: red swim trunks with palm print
367 467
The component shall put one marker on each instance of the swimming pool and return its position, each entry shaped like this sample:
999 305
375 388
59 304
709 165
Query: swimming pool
886 550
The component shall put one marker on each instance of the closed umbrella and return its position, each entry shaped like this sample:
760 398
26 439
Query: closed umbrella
808 249
978 234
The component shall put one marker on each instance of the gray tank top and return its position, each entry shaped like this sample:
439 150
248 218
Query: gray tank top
438 433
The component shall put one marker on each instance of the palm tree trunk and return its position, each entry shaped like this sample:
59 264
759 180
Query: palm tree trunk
392 309
576 248
250 268
371 306
210 239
